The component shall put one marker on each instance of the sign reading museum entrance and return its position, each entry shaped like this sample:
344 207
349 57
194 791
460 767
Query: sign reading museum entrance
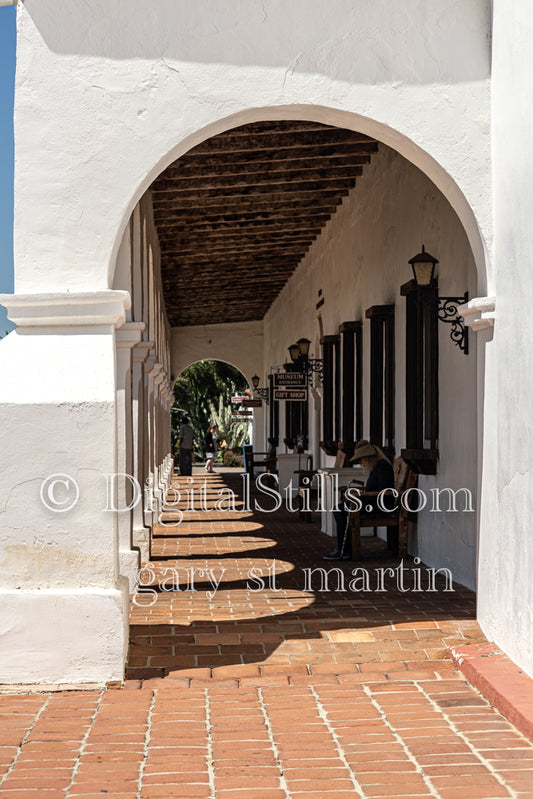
292 379
290 394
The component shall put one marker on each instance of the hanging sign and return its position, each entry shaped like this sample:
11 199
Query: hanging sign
252 403
290 379
290 394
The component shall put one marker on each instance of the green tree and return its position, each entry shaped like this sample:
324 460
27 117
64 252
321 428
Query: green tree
203 393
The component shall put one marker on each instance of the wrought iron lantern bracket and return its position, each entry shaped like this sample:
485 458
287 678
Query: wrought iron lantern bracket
263 393
447 312
312 367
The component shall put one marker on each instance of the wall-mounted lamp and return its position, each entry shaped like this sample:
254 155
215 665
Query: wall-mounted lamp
299 353
423 266
263 392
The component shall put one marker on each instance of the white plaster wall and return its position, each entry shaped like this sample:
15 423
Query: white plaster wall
237 343
107 95
506 553
361 259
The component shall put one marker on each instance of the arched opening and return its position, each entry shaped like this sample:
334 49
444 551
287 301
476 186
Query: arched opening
270 232
208 393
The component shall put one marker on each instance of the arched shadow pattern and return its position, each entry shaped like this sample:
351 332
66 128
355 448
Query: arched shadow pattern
227 596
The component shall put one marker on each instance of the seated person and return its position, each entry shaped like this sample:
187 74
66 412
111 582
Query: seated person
380 476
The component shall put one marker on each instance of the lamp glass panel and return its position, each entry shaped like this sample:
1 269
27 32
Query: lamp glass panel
423 272
294 352
303 345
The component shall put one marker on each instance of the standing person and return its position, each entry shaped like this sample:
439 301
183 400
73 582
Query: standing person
210 448
185 441
380 476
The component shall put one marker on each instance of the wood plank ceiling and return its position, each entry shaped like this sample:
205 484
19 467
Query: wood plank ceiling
237 214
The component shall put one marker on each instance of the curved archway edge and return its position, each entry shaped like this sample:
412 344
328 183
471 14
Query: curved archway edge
405 146
238 343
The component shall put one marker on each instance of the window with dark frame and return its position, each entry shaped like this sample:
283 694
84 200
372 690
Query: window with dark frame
382 371
296 423
331 402
352 384
273 414
421 377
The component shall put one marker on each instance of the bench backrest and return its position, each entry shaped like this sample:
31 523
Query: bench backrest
404 477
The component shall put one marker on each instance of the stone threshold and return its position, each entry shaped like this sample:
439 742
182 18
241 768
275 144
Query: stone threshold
506 686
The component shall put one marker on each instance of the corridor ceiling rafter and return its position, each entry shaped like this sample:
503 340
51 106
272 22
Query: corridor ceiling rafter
238 213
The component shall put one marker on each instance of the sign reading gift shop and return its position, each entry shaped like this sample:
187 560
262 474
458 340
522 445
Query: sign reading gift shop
290 395
292 379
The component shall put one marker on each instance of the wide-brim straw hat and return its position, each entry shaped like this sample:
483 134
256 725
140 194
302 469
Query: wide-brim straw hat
364 451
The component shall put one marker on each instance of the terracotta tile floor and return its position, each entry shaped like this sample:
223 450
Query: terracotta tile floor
284 693
243 596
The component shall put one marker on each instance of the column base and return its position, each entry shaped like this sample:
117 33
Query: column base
141 540
63 636
129 562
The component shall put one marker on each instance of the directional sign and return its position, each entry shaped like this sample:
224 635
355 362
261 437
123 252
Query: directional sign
238 399
240 419
290 394
252 403
290 379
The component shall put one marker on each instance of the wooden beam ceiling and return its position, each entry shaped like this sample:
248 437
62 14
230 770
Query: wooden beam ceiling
236 214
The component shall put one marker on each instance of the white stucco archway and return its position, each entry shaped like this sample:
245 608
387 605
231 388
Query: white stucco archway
106 98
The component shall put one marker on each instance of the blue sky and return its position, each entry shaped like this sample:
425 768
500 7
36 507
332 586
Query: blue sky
7 77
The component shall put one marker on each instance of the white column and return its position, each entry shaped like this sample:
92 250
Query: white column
127 337
63 603
141 532
149 500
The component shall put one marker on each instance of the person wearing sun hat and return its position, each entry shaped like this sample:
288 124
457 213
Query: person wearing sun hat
380 476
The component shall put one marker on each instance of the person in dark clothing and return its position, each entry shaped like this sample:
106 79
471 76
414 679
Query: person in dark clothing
380 477
186 445
210 448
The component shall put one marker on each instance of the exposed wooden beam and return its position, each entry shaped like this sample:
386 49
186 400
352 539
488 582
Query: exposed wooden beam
255 179
218 206
264 161
265 249
198 235
277 126
229 142
274 225
252 190
242 209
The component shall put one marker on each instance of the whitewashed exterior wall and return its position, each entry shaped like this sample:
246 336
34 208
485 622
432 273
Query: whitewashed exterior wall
505 601
108 96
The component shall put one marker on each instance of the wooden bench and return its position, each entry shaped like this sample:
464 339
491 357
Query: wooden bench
264 460
395 521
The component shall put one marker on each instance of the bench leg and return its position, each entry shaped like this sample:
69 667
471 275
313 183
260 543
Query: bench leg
355 532
402 536
392 539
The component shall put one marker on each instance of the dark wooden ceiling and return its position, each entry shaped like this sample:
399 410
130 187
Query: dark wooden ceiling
237 213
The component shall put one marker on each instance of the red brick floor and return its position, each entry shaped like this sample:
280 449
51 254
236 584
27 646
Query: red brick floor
276 694
220 621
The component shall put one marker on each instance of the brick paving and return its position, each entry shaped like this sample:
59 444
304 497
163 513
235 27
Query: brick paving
272 694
